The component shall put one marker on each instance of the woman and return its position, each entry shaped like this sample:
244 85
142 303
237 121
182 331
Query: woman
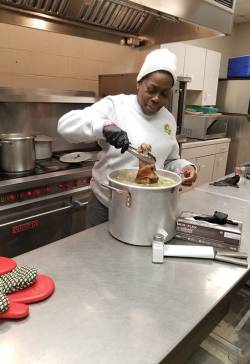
117 121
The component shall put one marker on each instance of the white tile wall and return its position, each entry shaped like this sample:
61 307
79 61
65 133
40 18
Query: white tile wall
35 58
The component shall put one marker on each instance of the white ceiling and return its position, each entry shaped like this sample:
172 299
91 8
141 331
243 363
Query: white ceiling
242 11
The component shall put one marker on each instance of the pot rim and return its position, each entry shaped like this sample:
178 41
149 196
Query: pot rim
141 187
42 139
15 136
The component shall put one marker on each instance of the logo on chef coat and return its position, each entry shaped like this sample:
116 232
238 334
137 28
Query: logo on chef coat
167 129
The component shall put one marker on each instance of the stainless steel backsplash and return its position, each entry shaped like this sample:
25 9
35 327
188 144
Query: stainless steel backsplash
40 117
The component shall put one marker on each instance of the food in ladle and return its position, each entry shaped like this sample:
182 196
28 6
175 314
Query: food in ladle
147 172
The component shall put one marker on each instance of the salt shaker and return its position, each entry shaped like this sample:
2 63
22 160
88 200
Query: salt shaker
158 248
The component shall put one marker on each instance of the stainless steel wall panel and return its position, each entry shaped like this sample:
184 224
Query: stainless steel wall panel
38 112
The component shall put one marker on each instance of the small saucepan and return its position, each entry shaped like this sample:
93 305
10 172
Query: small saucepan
43 147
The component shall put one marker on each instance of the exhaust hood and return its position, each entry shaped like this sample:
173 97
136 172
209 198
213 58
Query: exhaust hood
135 23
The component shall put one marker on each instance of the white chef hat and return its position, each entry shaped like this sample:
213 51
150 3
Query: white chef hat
158 60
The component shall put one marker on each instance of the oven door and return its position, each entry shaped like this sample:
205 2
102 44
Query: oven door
80 202
216 127
33 225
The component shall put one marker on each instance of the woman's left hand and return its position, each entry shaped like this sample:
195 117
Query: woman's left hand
189 175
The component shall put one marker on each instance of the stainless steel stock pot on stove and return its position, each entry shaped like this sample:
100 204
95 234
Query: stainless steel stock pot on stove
43 147
137 211
17 152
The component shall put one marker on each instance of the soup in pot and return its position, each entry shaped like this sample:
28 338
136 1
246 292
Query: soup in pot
128 177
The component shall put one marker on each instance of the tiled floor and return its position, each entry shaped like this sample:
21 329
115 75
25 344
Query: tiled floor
229 343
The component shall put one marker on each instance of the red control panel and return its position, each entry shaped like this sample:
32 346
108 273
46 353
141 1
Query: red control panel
45 190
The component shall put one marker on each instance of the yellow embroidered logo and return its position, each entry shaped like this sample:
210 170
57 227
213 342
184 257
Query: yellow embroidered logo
167 129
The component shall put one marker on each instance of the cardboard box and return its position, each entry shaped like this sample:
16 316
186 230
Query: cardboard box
205 233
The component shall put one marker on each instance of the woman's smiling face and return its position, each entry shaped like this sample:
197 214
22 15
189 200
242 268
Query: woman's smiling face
153 91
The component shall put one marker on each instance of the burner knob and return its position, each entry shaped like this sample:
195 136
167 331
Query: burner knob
46 189
22 195
66 185
37 192
11 197
86 181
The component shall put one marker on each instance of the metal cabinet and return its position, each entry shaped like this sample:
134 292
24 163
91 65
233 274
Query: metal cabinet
195 62
179 49
211 78
203 66
191 62
220 164
205 167
210 159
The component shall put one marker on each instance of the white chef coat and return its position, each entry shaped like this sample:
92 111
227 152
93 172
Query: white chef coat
158 130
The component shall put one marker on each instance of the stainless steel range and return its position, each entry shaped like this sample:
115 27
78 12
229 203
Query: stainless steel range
45 206
49 202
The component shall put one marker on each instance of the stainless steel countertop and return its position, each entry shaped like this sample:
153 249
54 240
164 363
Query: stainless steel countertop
241 193
207 201
192 142
113 306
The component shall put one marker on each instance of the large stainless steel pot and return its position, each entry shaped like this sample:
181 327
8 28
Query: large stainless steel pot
137 212
43 147
17 152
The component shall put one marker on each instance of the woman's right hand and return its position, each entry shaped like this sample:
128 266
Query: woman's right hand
116 137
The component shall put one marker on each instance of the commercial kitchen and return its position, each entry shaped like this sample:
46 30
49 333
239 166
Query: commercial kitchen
166 279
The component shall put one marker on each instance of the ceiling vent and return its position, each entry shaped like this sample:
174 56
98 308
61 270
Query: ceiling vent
227 3
136 23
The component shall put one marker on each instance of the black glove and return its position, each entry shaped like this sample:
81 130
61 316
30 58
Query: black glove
229 181
116 137
218 218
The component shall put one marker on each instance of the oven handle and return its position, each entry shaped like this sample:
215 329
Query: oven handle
78 204
67 207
